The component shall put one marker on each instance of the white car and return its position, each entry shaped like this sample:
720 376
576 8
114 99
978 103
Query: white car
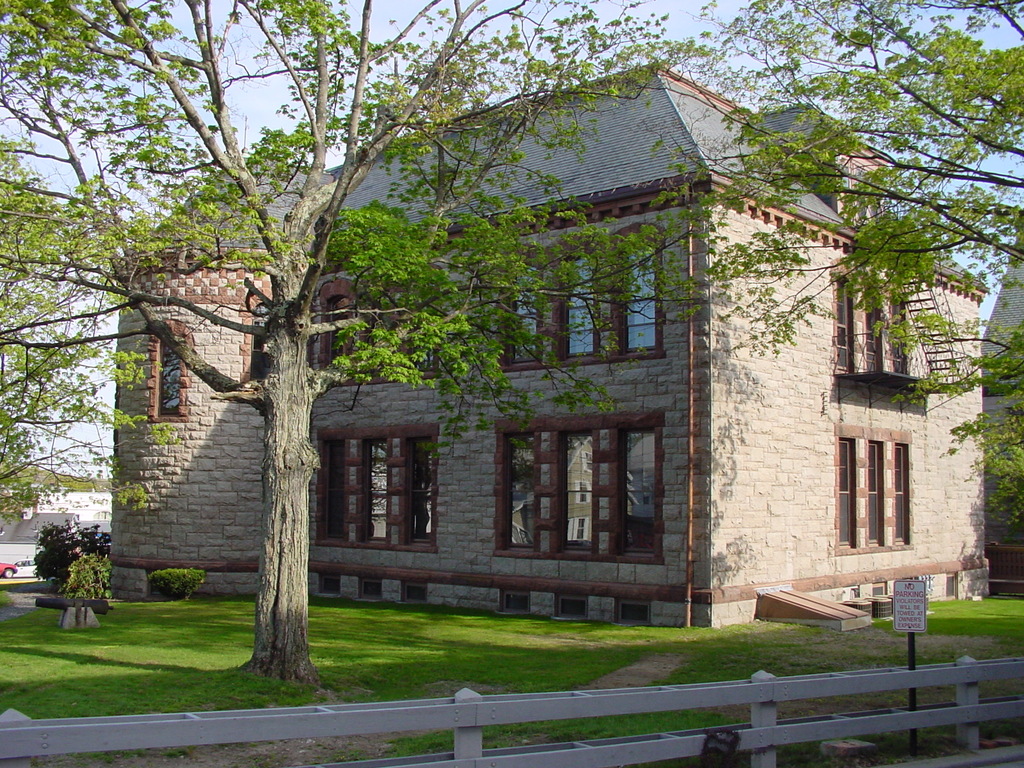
26 569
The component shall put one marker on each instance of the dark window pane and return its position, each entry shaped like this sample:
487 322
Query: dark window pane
901 492
634 613
876 493
572 607
422 496
847 493
336 489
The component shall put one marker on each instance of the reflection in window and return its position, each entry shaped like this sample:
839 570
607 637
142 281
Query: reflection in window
170 382
579 473
520 501
530 323
640 313
639 487
377 487
581 338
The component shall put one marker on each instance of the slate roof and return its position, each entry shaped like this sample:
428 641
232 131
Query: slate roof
671 128
1008 311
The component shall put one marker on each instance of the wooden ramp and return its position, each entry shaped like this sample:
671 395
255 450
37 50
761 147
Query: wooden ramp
793 607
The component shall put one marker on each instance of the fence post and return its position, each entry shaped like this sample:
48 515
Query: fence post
469 739
14 716
763 714
967 695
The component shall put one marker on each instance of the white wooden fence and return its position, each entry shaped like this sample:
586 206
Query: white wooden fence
468 713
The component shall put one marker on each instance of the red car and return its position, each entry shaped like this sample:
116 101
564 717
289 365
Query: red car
7 570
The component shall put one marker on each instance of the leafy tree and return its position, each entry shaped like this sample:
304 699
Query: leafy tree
132 149
906 117
88 577
60 546
48 391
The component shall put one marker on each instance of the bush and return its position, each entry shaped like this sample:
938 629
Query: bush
88 576
178 583
61 545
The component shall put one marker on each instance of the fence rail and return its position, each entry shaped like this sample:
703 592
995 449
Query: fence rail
468 713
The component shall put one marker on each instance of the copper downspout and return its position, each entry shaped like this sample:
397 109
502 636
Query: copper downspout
691 442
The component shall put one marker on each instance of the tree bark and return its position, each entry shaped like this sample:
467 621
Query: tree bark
281 647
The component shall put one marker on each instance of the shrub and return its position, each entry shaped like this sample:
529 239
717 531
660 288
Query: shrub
178 583
61 545
88 576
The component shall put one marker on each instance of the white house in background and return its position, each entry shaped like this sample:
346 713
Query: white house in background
18 537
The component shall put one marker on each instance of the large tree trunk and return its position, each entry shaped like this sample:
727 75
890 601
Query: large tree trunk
281 647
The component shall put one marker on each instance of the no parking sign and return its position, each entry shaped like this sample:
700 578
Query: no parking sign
910 605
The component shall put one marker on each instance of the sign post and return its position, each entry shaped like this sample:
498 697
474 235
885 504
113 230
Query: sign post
910 615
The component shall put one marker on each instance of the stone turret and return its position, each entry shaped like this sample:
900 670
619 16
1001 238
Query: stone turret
200 466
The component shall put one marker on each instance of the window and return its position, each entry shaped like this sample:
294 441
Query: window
169 394
375 474
876 492
414 593
515 602
844 330
847 492
639 314
259 359
330 585
378 489
520 504
634 613
864 342
571 607
638 482
578 472
588 489
168 379
873 499
581 332
371 589
422 492
529 321
901 492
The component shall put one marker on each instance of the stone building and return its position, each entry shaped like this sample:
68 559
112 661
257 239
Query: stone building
721 472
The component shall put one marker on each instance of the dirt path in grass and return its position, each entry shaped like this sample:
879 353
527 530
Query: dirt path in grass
310 752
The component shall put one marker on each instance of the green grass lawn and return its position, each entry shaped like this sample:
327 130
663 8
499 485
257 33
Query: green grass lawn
182 656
